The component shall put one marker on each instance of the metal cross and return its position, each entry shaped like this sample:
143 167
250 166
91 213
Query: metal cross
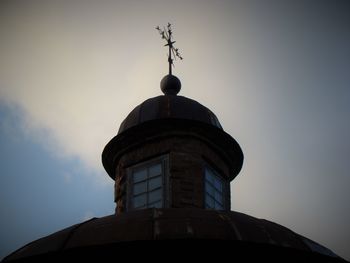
167 34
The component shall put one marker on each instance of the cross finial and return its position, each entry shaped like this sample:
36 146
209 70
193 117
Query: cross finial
167 34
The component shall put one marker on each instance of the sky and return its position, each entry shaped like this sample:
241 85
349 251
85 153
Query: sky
276 74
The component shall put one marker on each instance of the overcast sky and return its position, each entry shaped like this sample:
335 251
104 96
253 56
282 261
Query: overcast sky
276 74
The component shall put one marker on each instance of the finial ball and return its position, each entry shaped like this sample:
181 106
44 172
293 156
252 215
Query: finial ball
170 85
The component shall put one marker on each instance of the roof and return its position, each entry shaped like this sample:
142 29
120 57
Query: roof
169 107
172 225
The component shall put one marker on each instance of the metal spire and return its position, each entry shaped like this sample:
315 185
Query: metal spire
166 34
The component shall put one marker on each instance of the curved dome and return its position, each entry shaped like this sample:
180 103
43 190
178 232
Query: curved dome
169 107
171 115
114 235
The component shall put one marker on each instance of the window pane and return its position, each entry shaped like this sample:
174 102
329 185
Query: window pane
209 189
140 200
154 183
209 201
147 184
218 197
209 176
155 170
218 184
155 196
214 187
140 188
218 206
139 175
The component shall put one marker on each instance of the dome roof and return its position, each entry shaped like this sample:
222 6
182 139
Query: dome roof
111 235
171 115
169 107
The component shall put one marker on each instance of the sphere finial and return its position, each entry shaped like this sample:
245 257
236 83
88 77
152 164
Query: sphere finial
170 85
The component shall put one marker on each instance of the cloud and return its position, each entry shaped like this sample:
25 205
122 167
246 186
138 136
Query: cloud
67 177
70 83
74 78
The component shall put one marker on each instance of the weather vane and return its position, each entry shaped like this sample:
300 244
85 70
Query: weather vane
167 34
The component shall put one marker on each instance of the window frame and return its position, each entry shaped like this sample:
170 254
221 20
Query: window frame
225 186
163 160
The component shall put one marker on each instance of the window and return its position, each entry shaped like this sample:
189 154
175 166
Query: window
147 185
214 190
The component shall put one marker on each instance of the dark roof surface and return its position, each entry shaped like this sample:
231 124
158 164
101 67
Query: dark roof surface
168 225
171 115
169 107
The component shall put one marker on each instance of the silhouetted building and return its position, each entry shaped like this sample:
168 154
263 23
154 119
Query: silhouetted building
172 163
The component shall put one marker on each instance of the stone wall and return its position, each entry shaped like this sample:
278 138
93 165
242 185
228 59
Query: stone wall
187 156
